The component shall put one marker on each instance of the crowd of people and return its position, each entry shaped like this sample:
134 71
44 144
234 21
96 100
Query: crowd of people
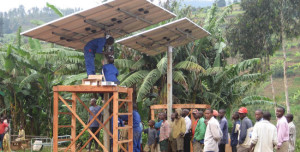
209 132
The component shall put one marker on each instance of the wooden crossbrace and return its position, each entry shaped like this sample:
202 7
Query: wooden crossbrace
101 124
106 121
86 127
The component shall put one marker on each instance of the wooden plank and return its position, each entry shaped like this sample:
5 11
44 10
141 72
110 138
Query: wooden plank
115 121
152 114
65 139
130 120
125 100
86 127
55 121
124 141
65 126
126 127
124 114
90 89
73 122
187 106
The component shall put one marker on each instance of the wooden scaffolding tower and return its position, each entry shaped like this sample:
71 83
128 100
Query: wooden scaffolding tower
117 103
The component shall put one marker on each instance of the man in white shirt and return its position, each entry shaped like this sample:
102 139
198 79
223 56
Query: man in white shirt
213 133
264 135
292 134
187 136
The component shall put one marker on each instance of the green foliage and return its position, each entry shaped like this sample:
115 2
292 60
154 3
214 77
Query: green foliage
57 11
257 100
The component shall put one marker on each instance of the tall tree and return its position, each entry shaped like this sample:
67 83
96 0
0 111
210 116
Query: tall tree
263 28
289 28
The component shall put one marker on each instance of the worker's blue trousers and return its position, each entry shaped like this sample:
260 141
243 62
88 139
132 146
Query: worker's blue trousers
137 135
89 57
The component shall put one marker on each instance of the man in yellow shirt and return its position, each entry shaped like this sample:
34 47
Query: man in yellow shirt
179 129
21 135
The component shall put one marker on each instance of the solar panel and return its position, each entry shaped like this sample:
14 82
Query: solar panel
118 17
156 40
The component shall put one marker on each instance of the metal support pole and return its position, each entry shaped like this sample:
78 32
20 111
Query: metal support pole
169 83
106 114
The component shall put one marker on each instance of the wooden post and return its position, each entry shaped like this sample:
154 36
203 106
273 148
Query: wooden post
130 120
152 114
115 121
55 121
73 122
169 83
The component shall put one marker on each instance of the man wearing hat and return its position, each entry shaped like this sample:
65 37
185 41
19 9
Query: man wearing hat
93 47
245 125
215 113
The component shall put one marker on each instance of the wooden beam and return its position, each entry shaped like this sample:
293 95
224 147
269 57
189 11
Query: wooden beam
90 89
65 126
55 121
106 113
152 114
115 121
130 120
187 106
73 122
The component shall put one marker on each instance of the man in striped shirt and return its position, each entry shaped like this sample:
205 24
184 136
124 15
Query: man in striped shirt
164 133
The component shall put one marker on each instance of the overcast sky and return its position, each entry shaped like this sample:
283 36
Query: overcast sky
6 5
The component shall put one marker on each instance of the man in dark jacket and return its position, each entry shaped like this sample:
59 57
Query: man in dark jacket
235 131
245 125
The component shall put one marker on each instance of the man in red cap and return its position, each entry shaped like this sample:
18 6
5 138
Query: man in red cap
244 145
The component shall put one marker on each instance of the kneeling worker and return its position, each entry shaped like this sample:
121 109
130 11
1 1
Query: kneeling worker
93 47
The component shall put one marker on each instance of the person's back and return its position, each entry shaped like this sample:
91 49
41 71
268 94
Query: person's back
245 125
95 45
94 110
212 135
264 136
110 72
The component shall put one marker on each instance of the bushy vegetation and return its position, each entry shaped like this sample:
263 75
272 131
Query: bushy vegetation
201 74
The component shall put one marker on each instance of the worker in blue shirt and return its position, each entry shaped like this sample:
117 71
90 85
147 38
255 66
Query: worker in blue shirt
110 71
93 47
137 130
